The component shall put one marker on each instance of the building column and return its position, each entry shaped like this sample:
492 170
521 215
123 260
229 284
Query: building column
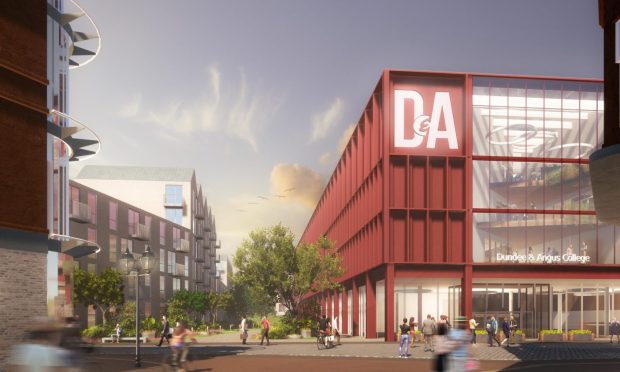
344 323
336 309
371 308
389 303
466 291
356 313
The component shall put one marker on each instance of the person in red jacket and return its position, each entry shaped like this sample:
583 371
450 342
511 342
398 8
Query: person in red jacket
265 326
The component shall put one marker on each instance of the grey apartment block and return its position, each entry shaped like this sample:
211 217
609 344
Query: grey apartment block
185 255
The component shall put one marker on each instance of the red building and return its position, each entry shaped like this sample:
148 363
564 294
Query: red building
469 194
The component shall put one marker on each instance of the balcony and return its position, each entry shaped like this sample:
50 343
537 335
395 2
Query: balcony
213 238
200 257
217 259
207 265
181 246
200 279
200 215
207 228
80 141
179 270
79 212
218 245
200 237
212 254
142 233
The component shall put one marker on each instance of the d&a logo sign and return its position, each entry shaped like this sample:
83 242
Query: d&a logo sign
425 127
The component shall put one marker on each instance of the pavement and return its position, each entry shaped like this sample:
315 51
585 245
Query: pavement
354 347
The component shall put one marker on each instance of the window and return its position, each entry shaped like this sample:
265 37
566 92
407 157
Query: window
176 284
174 195
92 268
113 248
126 244
186 267
113 215
176 237
92 235
162 233
133 219
162 260
186 284
171 262
162 289
92 205
175 215
147 283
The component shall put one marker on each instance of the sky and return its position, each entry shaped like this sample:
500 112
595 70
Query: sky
260 96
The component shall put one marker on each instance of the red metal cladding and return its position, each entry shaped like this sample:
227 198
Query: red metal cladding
399 202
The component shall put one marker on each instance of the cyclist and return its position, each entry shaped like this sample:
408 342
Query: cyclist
325 329
180 347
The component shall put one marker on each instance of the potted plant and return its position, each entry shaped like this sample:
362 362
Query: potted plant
482 336
550 335
580 335
149 327
519 336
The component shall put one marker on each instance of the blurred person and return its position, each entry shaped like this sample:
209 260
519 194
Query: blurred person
336 329
491 327
506 330
460 346
443 347
265 330
179 343
243 327
41 351
513 328
472 328
165 333
117 334
403 349
614 330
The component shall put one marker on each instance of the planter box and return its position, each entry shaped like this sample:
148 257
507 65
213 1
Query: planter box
306 333
551 337
148 335
581 337
519 339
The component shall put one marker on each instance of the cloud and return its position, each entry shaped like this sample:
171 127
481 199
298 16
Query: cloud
303 184
344 139
323 122
236 111
324 159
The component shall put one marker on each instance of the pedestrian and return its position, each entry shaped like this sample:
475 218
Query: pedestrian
403 349
614 330
513 328
165 333
117 333
444 347
491 326
243 327
336 329
460 347
428 329
506 330
265 326
412 327
472 328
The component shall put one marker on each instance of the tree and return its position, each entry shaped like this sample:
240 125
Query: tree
269 263
188 305
103 291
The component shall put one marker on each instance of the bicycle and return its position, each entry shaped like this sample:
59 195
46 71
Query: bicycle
320 341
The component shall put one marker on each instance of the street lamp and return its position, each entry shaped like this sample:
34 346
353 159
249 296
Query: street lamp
128 265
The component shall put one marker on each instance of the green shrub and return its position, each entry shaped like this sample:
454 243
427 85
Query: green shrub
98 331
278 332
481 332
551 331
150 324
519 332
580 332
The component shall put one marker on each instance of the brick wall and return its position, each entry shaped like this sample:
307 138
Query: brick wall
23 293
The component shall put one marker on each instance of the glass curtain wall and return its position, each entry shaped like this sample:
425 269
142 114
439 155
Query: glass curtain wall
532 196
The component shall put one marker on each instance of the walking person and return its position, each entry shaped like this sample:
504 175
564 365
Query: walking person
403 349
513 328
428 328
506 330
117 333
165 333
472 328
444 347
265 326
243 327
336 329
614 330
460 347
492 330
